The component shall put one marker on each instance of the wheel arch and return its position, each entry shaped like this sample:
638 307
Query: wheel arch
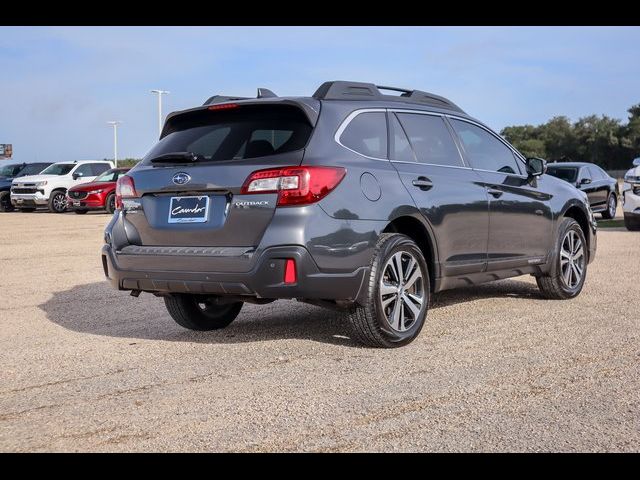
578 212
413 226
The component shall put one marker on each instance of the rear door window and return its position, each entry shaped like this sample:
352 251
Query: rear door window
367 134
400 147
99 168
431 139
237 133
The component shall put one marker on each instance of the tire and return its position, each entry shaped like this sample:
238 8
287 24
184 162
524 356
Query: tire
81 212
5 202
374 323
612 203
566 282
27 210
197 312
58 201
632 223
110 203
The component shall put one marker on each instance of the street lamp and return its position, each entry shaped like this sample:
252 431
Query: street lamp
160 93
114 124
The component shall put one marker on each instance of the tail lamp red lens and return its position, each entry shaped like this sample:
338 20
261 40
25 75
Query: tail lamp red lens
125 188
295 185
290 275
223 106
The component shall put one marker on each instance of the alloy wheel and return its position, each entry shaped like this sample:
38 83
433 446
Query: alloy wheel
612 206
572 259
59 202
402 291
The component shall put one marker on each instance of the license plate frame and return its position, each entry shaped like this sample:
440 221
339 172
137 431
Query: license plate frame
202 216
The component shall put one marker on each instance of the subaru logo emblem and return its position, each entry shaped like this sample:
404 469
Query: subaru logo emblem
181 178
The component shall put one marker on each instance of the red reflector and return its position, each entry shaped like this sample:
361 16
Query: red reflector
290 275
223 106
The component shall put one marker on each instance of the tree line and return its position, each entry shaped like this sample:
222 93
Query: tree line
605 141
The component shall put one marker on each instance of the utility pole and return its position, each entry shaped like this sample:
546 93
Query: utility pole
114 124
160 93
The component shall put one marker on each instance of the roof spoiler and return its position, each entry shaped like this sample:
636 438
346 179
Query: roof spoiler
343 90
262 93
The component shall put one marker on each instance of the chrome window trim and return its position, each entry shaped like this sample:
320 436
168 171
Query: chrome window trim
345 123
431 164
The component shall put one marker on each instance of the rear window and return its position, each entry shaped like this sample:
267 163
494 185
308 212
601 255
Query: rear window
236 134
565 173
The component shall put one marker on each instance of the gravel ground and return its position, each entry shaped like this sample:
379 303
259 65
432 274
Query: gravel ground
496 368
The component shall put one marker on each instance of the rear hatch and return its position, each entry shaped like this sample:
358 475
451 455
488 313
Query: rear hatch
189 184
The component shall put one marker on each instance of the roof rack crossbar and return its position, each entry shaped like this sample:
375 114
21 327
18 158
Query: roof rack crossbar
394 89
343 90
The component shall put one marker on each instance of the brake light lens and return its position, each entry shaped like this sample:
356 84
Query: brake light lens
223 106
125 188
295 185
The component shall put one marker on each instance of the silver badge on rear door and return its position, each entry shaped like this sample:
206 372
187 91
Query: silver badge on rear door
181 178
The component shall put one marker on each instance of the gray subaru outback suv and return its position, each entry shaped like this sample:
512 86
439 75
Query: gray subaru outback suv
361 198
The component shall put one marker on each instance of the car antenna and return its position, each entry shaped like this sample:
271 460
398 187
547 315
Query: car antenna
265 93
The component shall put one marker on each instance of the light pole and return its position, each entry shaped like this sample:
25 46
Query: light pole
114 124
160 93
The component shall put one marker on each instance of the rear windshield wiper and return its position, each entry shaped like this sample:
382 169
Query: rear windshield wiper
178 157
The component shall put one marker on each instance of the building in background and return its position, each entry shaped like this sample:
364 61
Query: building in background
6 151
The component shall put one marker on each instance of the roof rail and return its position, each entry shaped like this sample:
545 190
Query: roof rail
342 90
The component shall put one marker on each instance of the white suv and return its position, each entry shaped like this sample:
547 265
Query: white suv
631 197
49 188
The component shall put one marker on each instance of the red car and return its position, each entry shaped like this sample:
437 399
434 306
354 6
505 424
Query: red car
97 195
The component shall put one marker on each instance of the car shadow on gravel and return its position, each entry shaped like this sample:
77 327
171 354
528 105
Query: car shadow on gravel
98 309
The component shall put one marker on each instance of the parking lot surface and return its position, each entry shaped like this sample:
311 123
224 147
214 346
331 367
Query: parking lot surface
496 368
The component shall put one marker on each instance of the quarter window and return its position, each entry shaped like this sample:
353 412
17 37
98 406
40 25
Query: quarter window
367 134
485 151
430 139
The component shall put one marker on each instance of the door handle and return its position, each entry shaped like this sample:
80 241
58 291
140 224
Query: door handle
495 192
423 183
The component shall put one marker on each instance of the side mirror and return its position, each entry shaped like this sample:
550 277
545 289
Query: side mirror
585 181
636 162
536 166
76 176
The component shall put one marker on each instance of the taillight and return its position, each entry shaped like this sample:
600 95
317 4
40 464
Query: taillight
125 188
295 185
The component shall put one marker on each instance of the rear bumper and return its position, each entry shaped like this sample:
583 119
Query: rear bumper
264 280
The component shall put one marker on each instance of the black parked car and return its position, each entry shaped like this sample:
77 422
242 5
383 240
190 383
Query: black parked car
602 190
14 170
350 199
